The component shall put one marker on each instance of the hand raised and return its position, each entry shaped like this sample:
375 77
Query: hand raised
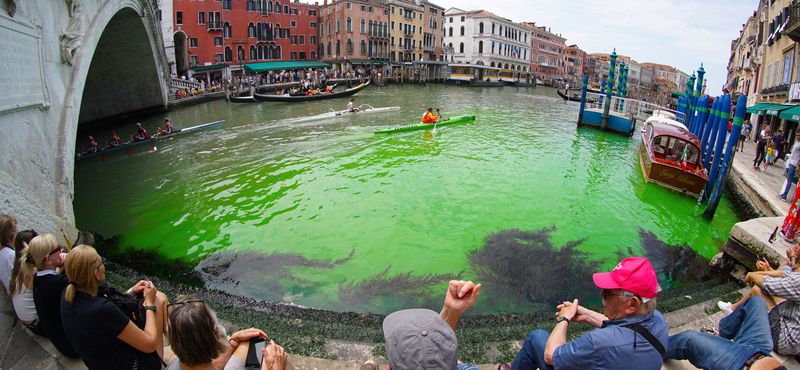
569 310
461 295
274 357
247 334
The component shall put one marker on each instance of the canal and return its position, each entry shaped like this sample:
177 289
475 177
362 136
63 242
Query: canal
328 214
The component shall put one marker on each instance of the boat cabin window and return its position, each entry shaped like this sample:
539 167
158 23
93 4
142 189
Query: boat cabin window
660 144
649 133
681 150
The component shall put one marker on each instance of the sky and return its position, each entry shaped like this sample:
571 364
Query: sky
678 33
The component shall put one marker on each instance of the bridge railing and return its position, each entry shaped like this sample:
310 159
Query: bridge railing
179 83
641 110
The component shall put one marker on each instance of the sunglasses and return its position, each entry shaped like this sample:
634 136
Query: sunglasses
102 262
57 250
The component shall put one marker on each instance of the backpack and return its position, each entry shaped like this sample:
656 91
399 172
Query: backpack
131 307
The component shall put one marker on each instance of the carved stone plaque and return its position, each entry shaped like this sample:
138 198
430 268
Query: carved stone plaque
21 67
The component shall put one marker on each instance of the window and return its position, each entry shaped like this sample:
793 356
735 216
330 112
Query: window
371 10
461 48
251 30
286 33
303 55
218 58
278 31
193 42
293 55
363 8
293 11
349 46
462 30
226 4
338 28
450 32
228 54
338 48
226 30
480 28
392 10
329 27
312 12
313 25
329 49
363 47
364 25
286 9
463 18
278 7
240 52
392 25
385 11
178 17
451 19
294 40
193 61
329 10
480 46
253 53
251 5
218 41
349 6
293 23
302 40
312 40
349 24
201 18
313 55
392 40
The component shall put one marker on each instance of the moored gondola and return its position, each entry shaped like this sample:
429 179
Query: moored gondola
322 96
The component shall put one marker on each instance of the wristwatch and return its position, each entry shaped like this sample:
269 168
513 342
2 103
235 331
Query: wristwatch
150 308
562 318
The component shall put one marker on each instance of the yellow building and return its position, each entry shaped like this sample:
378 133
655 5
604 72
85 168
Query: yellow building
406 30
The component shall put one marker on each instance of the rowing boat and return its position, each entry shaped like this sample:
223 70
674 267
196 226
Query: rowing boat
322 96
422 126
345 113
128 144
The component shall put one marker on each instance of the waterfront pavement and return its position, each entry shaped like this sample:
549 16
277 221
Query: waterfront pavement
28 351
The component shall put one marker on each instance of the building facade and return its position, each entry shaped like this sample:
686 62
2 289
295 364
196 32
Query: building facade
547 53
353 32
433 34
574 64
480 37
221 36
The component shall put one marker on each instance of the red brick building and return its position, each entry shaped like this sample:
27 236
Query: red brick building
353 32
547 53
219 36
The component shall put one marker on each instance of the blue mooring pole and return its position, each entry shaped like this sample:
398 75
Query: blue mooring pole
602 92
709 124
605 117
713 137
730 151
583 99
620 85
698 127
722 131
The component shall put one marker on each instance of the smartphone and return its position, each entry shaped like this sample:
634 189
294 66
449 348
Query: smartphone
254 354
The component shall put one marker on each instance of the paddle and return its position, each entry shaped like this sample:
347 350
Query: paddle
438 115
156 143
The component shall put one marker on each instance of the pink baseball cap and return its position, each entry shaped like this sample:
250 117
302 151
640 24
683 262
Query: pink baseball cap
634 274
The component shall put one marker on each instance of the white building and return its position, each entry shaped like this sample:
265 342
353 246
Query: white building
480 37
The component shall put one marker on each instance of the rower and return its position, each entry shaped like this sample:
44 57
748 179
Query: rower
351 108
167 129
114 142
141 134
429 117
92 146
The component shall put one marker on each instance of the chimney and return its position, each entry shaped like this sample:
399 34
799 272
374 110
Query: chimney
325 2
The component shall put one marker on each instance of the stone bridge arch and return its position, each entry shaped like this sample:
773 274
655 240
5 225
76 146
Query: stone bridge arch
114 63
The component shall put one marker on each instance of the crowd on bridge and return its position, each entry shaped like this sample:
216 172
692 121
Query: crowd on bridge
59 293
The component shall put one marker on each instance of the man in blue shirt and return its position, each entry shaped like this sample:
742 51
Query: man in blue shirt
630 332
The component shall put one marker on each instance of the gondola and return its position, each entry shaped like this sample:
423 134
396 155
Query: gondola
322 96
242 99
570 98
128 144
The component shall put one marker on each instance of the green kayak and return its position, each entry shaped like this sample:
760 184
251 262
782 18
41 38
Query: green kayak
422 126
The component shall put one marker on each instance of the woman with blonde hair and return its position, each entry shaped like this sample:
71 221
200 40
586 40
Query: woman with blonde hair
198 341
43 260
8 231
103 336
21 288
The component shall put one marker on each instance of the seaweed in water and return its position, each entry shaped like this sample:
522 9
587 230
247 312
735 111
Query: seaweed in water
410 290
680 263
228 270
523 269
146 261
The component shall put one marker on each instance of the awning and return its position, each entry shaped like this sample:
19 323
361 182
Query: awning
676 94
203 68
774 110
279 66
792 114
755 109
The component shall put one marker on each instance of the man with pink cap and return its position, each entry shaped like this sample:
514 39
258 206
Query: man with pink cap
630 332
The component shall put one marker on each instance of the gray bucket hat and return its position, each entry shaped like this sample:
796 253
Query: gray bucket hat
419 339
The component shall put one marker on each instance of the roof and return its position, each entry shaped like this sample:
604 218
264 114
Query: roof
277 66
662 129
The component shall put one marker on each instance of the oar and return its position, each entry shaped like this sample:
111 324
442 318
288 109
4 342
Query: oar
438 118
156 143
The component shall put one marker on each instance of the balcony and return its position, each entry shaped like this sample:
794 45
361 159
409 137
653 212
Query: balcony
793 24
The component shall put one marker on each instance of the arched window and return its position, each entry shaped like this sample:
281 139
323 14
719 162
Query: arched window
329 49
364 25
492 28
349 24
240 52
251 30
491 64
338 48
259 31
363 47
338 26
506 65
277 52
260 52
226 30
462 30
461 48
278 33
451 32
386 29
258 6
329 27
480 27
278 7
253 53
269 6
480 46
228 54
349 46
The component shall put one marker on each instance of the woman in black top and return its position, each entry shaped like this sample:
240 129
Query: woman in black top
102 334
44 260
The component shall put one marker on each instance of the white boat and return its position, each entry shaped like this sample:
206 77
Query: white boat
345 113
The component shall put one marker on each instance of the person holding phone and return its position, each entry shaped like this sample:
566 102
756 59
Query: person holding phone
198 341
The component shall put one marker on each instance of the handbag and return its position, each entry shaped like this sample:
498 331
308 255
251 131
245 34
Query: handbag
130 306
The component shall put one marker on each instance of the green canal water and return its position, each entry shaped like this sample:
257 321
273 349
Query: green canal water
327 214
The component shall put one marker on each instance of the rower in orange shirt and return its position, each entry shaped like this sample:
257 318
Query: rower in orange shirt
429 118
